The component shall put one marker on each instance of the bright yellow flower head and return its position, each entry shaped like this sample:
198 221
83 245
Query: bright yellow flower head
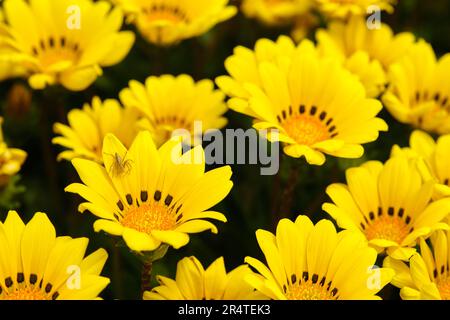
11 159
436 157
419 93
389 204
318 107
314 262
344 39
63 41
150 196
168 103
347 8
275 12
88 127
38 265
166 22
428 274
193 282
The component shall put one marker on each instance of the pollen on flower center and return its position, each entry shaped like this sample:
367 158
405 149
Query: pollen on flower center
306 129
308 291
443 286
148 217
388 228
25 293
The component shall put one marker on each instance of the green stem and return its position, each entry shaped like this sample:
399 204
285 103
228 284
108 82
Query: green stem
146 276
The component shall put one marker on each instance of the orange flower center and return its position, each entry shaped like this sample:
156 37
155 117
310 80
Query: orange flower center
53 51
25 293
306 129
443 286
308 291
387 228
148 217
166 13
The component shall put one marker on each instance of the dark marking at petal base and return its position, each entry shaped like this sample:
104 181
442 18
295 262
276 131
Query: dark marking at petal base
315 278
20 277
8 282
313 110
408 219
371 215
157 195
391 211
305 276
401 212
322 282
33 278
334 291
168 200
322 115
129 199
120 205
48 288
293 278
302 109
55 295
144 196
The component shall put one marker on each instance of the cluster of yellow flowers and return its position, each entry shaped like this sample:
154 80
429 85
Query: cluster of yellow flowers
323 97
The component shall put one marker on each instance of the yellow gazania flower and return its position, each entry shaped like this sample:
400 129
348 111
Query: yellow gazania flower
164 112
150 196
317 106
193 282
11 159
166 22
344 9
344 39
275 12
389 204
436 157
314 262
63 41
419 94
366 53
428 275
243 65
38 265
88 127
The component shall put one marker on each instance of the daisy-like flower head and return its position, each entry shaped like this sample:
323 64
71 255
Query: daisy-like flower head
164 112
347 8
275 12
11 159
150 196
38 265
389 204
193 282
344 39
88 127
436 157
428 275
419 93
63 41
316 105
314 262
167 22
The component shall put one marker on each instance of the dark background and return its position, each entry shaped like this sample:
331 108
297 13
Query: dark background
250 205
